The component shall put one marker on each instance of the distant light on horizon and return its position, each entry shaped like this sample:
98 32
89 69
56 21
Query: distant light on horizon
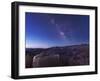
35 45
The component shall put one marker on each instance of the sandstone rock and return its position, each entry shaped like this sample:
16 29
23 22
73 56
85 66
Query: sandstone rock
42 60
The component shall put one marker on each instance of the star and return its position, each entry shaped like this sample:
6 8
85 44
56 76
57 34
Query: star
52 21
62 33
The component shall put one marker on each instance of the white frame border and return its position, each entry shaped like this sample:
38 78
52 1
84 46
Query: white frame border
53 70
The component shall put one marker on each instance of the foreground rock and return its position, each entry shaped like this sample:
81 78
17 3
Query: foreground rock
45 60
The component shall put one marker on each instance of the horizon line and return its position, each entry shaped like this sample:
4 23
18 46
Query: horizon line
55 46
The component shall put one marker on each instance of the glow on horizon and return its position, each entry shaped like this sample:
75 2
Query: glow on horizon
36 45
45 45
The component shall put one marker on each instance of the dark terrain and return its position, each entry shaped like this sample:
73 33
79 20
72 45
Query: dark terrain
74 55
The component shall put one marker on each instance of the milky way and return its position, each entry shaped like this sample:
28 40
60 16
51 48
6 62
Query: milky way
60 32
49 30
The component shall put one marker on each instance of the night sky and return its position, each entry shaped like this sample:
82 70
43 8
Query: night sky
50 30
